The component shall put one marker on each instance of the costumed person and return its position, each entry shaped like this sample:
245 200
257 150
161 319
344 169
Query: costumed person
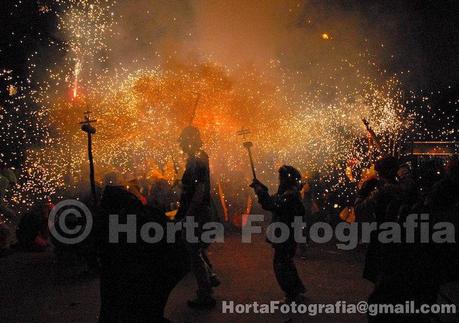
285 206
136 278
195 203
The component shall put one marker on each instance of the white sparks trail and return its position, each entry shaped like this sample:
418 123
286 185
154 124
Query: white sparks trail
140 113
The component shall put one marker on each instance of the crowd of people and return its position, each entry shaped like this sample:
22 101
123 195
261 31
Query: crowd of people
410 270
137 278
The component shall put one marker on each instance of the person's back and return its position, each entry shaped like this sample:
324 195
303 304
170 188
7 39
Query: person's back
196 173
136 278
371 205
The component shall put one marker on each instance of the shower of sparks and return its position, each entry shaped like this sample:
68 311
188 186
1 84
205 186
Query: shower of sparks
141 112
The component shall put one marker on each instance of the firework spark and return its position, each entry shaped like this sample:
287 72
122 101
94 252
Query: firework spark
141 111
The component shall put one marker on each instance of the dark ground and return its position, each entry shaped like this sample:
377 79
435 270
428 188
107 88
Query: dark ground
34 289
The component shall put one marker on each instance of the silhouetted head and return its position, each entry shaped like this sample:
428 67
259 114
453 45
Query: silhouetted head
290 178
387 167
190 140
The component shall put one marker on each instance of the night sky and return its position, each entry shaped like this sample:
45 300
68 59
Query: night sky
423 35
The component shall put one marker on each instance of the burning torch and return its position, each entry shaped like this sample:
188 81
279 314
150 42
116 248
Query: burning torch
248 145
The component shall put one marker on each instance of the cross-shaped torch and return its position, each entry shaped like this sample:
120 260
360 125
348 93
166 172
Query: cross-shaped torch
248 145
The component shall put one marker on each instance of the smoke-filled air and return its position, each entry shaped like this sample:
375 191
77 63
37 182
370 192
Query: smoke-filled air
300 80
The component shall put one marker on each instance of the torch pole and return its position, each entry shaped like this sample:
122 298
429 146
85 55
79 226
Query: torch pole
91 169
248 145
90 130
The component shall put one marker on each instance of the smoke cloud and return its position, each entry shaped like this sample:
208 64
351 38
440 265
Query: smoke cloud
240 33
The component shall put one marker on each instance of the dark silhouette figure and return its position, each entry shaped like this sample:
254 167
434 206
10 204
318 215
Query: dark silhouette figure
443 204
373 201
195 203
285 205
371 204
407 270
136 278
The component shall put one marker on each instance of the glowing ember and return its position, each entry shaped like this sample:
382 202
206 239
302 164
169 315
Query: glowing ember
141 110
